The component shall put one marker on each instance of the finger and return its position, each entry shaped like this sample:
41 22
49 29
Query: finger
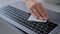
37 14
40 12
43 10
46 15
31 11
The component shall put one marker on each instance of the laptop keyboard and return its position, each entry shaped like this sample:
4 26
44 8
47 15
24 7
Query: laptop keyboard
21 17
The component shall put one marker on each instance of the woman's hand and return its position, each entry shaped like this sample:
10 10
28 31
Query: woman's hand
36 9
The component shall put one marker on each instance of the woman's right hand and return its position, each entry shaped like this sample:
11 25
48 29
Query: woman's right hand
37 9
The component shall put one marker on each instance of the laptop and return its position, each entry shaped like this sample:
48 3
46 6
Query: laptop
17 15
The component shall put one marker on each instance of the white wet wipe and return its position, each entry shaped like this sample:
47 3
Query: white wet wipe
32 18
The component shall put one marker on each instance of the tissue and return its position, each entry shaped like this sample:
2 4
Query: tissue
32 18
